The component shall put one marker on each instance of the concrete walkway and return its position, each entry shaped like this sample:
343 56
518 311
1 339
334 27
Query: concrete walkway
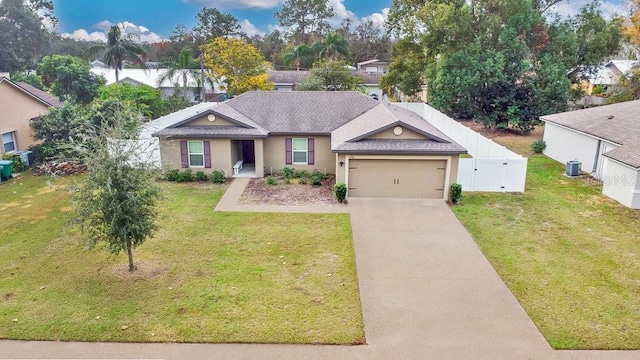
427 293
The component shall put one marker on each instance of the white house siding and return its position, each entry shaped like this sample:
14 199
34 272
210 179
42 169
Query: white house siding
565 144
621 183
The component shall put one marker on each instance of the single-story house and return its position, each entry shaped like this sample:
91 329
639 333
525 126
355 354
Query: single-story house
20 103
378 150
287 80
167 88
606 139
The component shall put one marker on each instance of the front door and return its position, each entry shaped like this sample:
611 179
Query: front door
248 152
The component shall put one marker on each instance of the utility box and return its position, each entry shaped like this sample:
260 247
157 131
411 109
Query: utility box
27 157
573 168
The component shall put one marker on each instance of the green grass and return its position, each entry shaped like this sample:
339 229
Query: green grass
570 255
204 277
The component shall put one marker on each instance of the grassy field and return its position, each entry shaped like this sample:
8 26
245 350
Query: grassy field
205 277
570 255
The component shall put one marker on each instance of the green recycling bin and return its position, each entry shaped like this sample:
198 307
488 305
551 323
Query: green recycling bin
7 169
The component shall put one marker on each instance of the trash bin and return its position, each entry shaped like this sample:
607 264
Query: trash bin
6 167
573 168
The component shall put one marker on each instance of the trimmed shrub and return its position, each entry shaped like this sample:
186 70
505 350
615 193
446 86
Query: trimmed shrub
217 177
456 193
302 174
201 176
172 175
538 146
288 172
185 176
316 178
340 189
271 180
303 181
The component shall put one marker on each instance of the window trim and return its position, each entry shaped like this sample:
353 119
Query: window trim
189 153
306 151
13 141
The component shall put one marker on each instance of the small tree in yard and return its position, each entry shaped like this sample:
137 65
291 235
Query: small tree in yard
116 203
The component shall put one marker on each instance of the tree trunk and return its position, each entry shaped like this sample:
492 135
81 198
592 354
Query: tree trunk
132 267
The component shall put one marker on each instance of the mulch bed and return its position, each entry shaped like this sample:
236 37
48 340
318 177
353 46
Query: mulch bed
258 192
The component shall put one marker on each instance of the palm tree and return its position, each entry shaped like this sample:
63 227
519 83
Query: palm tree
333 46
117 49
181 68
301 55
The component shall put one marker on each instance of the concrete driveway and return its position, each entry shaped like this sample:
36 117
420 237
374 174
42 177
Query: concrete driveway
427 290
427 293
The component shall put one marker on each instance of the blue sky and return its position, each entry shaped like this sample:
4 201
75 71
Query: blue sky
153 19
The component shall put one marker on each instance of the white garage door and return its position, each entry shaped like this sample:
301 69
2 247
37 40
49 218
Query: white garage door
397 178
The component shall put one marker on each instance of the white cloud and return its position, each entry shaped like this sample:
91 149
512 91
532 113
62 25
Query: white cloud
82 34
236 4
608 8
139 33
378 18
248 28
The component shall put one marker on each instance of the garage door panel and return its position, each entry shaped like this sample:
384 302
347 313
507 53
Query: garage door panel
397 178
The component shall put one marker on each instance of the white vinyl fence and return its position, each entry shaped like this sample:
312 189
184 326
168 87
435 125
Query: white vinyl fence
493 166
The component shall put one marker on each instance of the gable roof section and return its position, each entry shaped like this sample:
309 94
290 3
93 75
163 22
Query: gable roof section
301 112
353 136
37 94
616 123
287 77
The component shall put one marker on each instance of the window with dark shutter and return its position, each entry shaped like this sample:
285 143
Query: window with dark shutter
207 154
288 145
311 150
184 154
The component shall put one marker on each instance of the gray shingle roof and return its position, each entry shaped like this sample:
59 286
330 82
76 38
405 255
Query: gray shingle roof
203 131
349 117
617 123
43 96
287 77
404 146
303 112
352 136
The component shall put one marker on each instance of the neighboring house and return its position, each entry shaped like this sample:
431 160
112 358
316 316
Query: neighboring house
286 80
609 75
377 150
167 88
372 83
373 66
606 139
20 103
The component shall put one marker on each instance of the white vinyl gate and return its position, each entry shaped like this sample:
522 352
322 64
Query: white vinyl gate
492 168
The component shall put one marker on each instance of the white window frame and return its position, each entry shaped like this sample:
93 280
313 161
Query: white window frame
189 153
13 141
294 151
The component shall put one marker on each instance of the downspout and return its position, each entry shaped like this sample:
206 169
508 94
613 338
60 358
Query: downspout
595 161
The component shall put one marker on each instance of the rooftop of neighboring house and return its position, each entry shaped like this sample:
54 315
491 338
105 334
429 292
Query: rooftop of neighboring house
617 123
34 92
148 77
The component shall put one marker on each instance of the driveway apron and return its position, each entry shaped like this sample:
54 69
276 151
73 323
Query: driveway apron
427 289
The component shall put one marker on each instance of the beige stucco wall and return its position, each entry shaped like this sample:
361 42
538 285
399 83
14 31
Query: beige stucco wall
274 155
16 111
220 155
203 120
406 134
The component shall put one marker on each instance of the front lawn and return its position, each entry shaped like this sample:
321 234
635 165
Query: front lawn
205 277
570 255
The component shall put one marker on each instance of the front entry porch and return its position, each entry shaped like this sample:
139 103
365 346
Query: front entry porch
248 153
